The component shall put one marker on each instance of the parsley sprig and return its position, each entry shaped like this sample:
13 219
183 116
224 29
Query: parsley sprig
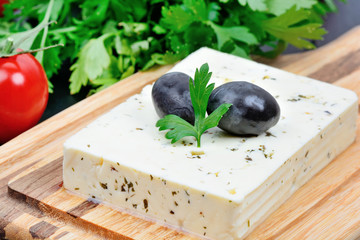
199 92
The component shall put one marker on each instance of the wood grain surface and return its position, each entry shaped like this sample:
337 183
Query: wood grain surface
327 207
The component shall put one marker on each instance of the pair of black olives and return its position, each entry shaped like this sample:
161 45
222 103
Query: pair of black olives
253 109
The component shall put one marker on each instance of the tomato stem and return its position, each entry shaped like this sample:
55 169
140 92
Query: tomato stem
11 47
41 49
35 30
31 51
8 45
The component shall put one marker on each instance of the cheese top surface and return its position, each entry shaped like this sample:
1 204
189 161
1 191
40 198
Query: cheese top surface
226 166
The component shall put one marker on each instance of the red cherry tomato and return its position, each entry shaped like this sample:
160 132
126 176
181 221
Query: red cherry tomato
23 94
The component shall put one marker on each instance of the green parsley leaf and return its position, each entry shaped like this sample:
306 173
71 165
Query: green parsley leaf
241 33
176 18
197 35
213 12
232 48
278 7
166 58
256 5
158 29
331 5
101 84
200 92
286 27
92 61
307 4
179 128
198 8
94 13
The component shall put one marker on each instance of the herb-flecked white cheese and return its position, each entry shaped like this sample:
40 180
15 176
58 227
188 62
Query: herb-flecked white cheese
228 186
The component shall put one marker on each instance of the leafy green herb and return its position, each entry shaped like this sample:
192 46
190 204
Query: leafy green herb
106 41
93 59
284 27
200 92
259 5
279 7
227 35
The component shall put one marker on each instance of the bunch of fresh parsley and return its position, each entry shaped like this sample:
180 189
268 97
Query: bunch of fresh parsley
108 40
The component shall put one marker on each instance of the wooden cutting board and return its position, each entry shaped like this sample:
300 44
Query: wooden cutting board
33 204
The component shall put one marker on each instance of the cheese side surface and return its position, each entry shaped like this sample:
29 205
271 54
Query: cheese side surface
224 189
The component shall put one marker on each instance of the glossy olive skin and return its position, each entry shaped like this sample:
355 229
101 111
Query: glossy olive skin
171 95
253 109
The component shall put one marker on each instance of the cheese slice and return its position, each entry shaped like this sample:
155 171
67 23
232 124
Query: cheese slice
224 189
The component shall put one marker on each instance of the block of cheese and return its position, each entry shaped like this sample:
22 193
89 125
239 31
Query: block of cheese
224 189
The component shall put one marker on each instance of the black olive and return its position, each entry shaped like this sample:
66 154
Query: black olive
171 95
253 109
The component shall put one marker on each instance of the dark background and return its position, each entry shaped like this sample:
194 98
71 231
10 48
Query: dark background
336 24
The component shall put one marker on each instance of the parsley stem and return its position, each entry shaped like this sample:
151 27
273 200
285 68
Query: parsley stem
64 30
198 126
40 55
